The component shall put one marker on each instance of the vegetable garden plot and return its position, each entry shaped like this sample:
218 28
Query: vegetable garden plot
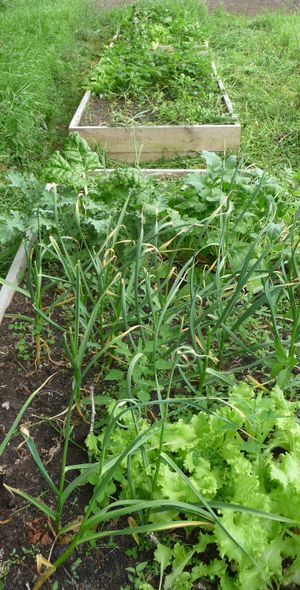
157 291
156 94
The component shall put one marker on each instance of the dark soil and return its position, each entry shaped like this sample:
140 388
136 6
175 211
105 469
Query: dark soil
252 7
96 113
100 112
23 532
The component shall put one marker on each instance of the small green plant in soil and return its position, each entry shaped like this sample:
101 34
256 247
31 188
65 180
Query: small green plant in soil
158 70
23 348
15 558
137 577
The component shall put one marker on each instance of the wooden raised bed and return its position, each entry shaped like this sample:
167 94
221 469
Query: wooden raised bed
150 143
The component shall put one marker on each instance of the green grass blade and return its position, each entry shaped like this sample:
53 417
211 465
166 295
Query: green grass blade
37 459
34 501
18 418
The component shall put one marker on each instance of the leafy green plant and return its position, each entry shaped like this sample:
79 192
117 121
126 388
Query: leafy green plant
23 348
132 298
15 558
248 194
136 576
74 166
246 448
156 44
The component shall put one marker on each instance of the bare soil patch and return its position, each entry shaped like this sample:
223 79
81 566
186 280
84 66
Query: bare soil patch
251 7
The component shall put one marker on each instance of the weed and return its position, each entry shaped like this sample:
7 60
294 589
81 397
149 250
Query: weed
136 576
23 347
158 70
15 558
74 567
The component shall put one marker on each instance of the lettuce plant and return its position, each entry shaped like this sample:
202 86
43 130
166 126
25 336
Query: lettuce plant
245 453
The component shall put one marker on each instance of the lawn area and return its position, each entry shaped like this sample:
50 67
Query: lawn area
46 50
150 359
259 60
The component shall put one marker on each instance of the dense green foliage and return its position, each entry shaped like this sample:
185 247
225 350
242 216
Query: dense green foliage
159 69
247 196
170 282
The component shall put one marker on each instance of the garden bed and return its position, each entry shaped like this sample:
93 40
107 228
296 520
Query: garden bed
24 532
156 398
150 143
155 93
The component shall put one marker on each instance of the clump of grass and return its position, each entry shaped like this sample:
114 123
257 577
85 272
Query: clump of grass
46 48
259 60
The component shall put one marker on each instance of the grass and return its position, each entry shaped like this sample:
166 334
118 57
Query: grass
46 49
259 60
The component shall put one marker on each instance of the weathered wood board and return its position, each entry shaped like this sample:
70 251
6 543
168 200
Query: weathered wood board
150 143
15 274
159 172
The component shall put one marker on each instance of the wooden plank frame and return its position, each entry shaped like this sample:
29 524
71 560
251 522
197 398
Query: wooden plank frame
158 172
17 269
151 143
15 274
